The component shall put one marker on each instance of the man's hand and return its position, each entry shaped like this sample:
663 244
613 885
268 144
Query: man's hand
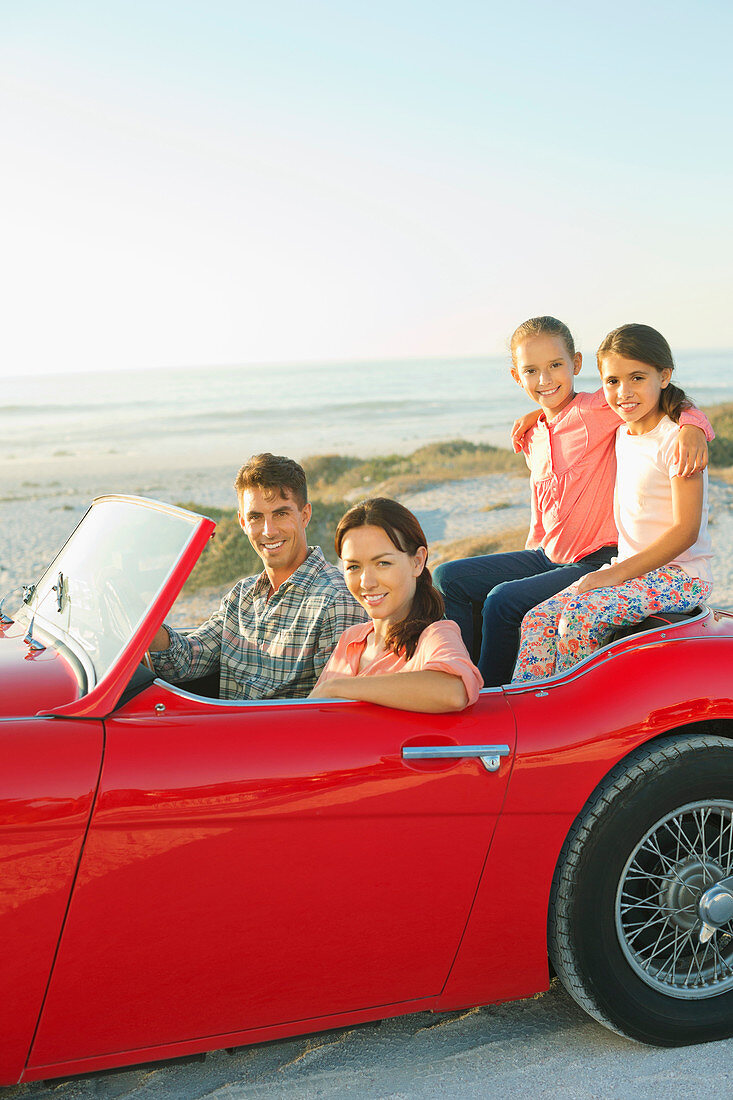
691 451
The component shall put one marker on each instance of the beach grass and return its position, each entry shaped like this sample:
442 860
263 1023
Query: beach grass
721 448
340 478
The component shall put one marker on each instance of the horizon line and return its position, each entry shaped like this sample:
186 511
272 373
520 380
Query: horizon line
329 362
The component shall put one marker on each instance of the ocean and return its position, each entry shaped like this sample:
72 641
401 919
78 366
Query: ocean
210 414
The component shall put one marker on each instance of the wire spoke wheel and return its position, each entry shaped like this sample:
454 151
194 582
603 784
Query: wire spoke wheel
657 915
640 922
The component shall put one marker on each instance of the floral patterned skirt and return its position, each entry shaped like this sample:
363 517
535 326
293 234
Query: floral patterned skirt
568 627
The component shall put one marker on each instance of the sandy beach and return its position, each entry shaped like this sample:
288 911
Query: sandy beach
544 1046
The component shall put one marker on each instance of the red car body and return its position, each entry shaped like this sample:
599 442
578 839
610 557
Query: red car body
182 874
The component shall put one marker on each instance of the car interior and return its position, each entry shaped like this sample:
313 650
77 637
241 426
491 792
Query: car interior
207 687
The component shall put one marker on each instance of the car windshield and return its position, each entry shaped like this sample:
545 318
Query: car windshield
98 588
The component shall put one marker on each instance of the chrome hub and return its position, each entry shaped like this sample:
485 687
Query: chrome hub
716 906
683 889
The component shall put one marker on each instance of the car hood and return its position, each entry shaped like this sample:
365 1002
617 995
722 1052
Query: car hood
33 680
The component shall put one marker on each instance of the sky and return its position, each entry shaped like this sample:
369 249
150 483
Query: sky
219 182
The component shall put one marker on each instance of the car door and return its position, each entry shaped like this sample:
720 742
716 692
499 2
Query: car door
258 864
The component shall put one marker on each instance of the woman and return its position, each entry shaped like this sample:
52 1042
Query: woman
407 656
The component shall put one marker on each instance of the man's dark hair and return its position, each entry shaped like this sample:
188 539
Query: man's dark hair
273 472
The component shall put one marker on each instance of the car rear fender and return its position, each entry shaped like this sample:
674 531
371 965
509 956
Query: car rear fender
571 731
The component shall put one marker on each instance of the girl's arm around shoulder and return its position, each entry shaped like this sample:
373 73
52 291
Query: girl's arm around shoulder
691 451
520 429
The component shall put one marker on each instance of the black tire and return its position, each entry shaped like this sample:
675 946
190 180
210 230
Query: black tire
609 882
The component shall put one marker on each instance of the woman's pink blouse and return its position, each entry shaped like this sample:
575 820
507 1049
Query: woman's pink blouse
440 648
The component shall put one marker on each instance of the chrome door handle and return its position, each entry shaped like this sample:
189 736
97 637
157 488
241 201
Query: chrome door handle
489 755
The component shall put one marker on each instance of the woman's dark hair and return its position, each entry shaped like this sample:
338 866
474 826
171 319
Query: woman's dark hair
542 326
404 531
646 345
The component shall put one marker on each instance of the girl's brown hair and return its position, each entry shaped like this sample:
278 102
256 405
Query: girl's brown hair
542 326
646 345
404 532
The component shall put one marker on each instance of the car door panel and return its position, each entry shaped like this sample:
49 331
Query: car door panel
256 864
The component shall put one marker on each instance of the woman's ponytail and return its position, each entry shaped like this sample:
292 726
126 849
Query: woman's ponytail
427 607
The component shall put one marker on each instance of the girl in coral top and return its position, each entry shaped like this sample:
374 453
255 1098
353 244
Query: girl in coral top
569 447
664 549
407 656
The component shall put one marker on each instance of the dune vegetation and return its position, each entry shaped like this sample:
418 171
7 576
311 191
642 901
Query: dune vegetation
721 448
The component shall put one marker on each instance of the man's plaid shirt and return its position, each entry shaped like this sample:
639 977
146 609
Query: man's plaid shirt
267 649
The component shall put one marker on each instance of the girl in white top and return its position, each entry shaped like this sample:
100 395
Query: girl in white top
664 549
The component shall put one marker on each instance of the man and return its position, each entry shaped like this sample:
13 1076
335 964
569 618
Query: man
273 633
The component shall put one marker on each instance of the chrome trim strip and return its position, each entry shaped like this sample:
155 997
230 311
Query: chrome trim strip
177 689
181 692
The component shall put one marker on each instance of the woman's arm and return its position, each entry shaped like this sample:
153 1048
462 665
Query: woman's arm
687 494
427 691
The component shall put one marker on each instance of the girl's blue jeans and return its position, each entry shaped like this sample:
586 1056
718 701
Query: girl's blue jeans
505 587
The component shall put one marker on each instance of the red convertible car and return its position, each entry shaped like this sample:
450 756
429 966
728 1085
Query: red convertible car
182 873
